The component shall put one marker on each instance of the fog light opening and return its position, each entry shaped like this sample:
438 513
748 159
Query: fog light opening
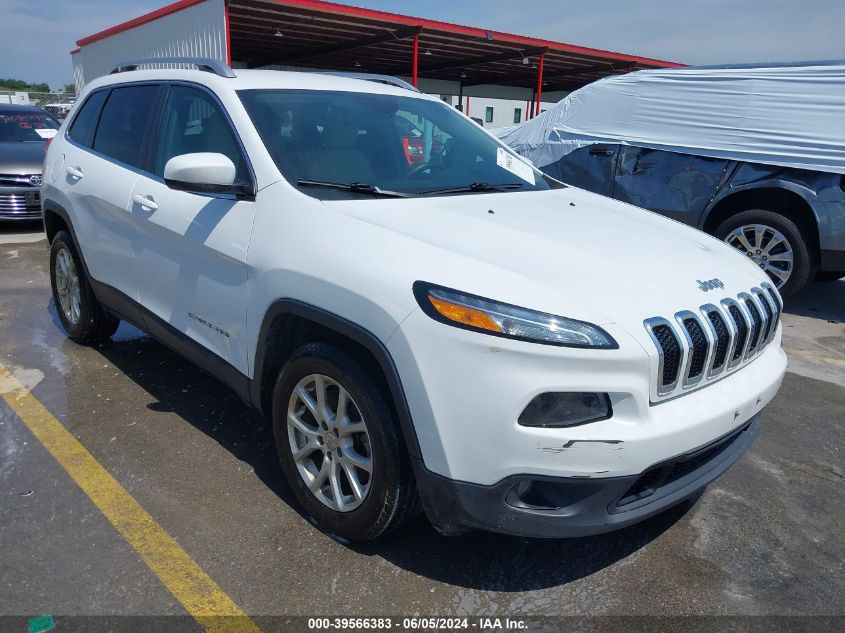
560 410
535 494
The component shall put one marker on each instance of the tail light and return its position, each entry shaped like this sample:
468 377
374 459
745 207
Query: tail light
413 148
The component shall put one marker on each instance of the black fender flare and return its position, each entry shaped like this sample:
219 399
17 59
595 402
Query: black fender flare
54 207
350 330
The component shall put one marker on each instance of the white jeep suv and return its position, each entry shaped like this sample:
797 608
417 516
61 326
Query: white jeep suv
459 333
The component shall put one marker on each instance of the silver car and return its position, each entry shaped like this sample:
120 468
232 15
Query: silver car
25 132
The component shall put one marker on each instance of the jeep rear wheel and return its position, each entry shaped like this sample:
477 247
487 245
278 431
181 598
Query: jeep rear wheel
338 441
81 315
774 243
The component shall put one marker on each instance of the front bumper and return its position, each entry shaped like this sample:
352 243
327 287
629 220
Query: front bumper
536 506
467 391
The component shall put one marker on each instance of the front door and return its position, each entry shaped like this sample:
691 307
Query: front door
591 168
190 249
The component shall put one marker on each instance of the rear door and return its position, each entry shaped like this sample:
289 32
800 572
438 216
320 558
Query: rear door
102 162
191 248
673 184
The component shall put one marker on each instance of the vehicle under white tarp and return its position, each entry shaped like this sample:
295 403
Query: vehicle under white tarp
792 115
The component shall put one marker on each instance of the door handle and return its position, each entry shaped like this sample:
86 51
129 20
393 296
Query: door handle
145 202
642 167
74 172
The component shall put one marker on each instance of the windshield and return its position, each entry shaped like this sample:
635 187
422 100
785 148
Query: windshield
401 145
26 126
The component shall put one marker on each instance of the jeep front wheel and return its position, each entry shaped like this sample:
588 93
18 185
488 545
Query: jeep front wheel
339 444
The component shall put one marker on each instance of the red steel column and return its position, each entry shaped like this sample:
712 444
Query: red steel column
416 60
228 33
540 84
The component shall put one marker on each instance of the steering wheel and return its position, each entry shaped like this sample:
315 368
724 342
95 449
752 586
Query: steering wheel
430 164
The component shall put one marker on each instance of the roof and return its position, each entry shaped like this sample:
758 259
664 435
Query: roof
258 80
328 35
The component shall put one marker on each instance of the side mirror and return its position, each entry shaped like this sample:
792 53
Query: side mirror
203 172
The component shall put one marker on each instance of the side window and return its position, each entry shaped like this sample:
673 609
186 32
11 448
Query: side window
488 114
517 115
123 124
192 122
86 120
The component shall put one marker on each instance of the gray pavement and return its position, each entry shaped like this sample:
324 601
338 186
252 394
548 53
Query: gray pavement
765 539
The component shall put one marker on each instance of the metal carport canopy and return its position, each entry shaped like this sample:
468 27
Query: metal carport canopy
327 35
331 36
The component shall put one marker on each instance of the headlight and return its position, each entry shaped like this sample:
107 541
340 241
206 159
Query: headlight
471 312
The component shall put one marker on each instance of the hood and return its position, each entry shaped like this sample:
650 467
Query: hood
566 251
22 157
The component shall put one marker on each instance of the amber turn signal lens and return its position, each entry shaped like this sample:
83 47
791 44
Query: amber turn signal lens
464 315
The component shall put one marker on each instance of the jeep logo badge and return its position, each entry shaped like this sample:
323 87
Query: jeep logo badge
712 284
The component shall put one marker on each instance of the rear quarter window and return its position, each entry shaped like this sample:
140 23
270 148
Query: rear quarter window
82 129
123 124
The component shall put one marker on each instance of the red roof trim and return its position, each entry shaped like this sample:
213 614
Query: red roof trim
345 9
144 19
75 51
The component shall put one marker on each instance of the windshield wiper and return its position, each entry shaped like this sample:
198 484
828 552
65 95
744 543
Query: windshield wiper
476 186
354 187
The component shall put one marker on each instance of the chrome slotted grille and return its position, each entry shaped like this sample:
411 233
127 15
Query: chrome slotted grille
756 322
722 336
27 203
700 347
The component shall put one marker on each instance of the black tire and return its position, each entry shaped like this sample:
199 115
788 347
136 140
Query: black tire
390 501
830 275
803 268
94 322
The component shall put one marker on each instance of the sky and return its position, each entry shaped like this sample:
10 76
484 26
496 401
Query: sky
37 36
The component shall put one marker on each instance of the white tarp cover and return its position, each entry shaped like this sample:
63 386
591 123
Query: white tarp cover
788 115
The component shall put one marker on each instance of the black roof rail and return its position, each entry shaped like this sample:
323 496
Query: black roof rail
382 79
205 64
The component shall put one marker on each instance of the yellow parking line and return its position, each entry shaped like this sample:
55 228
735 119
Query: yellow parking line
186 580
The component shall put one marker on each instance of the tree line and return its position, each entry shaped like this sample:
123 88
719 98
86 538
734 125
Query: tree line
23 86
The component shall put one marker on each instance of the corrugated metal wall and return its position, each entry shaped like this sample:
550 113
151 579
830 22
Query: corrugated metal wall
78 71
198 31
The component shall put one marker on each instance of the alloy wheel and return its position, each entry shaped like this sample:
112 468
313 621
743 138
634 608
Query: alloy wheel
67 286
329 442
767 247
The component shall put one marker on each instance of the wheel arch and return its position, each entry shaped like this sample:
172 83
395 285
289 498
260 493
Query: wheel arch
289 323
55 219
775 197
